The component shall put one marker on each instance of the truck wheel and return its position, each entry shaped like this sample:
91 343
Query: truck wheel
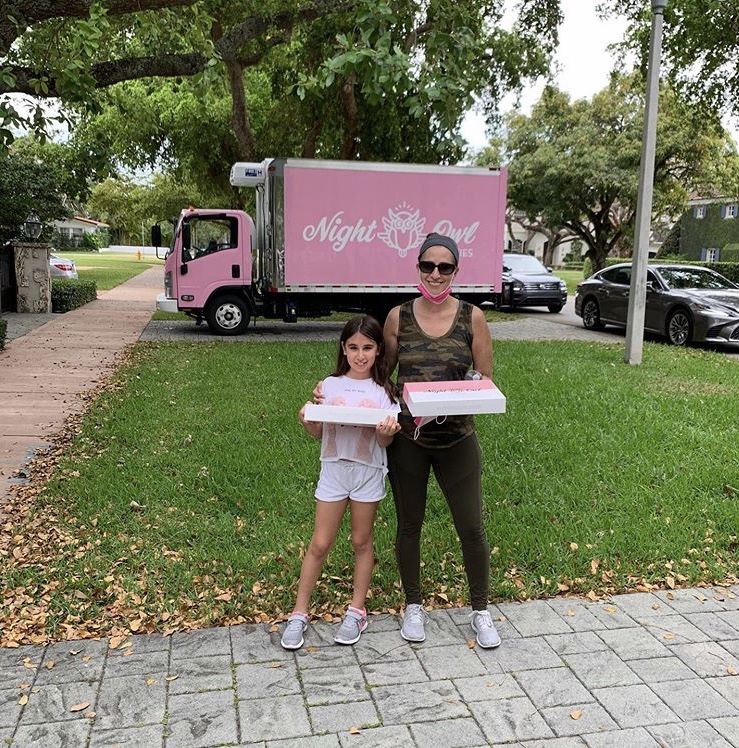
227 315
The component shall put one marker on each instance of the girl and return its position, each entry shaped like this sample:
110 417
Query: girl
353 469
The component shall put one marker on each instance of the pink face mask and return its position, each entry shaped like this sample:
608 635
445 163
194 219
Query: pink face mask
437 298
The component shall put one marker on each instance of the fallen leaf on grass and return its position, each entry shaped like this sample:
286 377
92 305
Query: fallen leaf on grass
576 713
79 707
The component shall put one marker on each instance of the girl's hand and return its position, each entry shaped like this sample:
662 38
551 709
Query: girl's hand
318 397
388 426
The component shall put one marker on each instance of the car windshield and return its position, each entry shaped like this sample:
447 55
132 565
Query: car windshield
523 264
694 278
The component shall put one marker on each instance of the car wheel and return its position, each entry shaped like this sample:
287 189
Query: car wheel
555 308
679 328
227 315
591 315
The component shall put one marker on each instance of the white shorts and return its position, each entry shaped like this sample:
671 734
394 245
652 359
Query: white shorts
344 478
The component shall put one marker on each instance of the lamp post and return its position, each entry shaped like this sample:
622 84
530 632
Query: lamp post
32 227
638 289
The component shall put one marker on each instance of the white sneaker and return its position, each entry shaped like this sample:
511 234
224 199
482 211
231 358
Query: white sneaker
483 626
413 622
292 637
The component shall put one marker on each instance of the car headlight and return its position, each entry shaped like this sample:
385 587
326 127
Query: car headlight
722 311
562 286
517 286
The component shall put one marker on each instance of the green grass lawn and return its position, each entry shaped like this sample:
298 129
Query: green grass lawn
571 278
110 269
185 497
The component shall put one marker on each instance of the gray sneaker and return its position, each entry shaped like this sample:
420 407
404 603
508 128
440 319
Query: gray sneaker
351 627
292 636
483 626
413 622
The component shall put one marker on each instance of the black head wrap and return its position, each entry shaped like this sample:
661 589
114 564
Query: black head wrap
439 240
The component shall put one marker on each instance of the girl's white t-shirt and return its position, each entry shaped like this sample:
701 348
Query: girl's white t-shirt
355 443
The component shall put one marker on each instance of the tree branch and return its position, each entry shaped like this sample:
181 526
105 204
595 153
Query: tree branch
230 46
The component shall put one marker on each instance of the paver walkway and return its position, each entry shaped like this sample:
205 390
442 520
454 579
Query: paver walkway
648 669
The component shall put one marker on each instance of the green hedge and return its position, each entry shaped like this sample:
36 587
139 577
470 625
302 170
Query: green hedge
3 332
70 294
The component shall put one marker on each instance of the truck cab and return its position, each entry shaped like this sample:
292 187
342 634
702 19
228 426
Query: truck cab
208 247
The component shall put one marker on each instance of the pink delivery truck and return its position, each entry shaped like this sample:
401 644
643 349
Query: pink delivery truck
331 236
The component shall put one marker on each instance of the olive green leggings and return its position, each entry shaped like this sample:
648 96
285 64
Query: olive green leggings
458 471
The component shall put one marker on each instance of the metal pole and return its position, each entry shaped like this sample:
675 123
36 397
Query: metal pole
638 289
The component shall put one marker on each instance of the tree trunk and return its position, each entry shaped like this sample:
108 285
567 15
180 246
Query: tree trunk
239 114
351 117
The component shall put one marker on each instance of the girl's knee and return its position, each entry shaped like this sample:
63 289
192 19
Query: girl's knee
320 548
362 542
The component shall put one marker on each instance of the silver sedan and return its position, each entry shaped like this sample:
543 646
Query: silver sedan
684 303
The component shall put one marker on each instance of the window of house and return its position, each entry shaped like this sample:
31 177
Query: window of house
699 211
730 211
712 254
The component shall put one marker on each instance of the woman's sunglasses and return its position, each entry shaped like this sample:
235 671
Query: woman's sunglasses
444 268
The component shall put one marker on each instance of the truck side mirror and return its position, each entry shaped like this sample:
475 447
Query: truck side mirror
156 235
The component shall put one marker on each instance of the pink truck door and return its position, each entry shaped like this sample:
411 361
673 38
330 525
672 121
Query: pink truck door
216 258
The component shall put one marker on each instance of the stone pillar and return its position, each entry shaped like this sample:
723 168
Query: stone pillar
33 277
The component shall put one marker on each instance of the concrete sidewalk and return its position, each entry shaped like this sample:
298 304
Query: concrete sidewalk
648 669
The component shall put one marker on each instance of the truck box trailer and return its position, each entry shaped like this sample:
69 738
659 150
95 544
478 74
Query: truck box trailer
332 236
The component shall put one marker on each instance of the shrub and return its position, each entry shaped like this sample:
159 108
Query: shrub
3 332
70 294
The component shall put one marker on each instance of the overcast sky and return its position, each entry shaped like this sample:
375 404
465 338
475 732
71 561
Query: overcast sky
584 61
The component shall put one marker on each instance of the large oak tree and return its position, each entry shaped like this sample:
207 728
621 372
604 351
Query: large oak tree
432 60
575 165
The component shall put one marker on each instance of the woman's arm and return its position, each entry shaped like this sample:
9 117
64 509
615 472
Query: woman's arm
482 344
390 335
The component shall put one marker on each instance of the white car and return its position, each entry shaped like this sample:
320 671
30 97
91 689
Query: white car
61 267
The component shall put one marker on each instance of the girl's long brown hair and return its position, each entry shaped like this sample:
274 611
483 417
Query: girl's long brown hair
370 328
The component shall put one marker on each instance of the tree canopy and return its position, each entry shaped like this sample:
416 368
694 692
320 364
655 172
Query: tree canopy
575 165
30 185
332 74
700 47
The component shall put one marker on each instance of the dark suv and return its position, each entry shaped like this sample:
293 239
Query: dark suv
526 282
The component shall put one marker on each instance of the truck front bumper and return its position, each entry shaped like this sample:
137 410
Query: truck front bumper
165 304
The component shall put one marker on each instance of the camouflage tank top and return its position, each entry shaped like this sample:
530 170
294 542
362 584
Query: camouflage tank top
423 358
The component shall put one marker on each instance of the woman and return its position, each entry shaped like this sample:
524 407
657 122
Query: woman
436 337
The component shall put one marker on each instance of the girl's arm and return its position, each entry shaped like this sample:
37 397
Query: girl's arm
482 344
314 428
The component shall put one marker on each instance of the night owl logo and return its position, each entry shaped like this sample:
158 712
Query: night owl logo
403 229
